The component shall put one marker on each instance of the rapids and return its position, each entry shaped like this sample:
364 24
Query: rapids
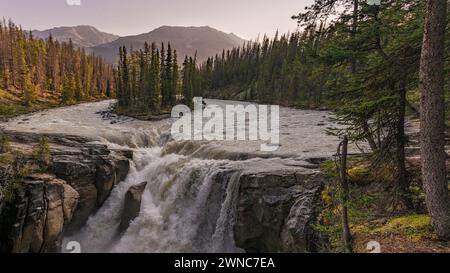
190 199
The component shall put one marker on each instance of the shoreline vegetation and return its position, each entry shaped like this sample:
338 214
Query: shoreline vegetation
13 107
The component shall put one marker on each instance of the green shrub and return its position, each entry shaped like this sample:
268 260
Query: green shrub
13 168
11 110
42 154
5 146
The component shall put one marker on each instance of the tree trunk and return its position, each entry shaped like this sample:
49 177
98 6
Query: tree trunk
402 180
345 196
433 117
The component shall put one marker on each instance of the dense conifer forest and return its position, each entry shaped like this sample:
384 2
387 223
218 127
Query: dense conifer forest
151 81
36 73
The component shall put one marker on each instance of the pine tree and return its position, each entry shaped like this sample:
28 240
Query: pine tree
163 73
187 81
156 98
28 90
174 79
125 76
167 82
68 90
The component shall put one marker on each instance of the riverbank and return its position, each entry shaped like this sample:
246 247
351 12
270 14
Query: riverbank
11 103
140 115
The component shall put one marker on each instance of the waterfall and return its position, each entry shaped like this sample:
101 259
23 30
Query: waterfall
187 206
190 200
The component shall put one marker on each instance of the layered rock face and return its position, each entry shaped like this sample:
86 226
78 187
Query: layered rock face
50 205
275 211
93 174
132 205
35 220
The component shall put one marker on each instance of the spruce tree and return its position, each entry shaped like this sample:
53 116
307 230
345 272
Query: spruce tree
174 79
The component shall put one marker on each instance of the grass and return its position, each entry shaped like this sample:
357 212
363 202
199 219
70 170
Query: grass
11 103
412 227
401 234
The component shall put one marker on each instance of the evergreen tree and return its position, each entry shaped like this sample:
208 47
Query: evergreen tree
28 90
187 82
68 90
174 79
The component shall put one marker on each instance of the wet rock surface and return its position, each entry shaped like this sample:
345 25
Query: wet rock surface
132 205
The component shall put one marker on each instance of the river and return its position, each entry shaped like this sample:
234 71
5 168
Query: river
185 206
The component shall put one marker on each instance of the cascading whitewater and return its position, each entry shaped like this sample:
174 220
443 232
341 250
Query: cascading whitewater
191 196
187 206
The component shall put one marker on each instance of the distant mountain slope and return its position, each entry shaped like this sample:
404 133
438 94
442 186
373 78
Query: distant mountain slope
82 36
205 40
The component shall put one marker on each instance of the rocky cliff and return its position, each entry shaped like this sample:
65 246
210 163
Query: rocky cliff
51 205
275 211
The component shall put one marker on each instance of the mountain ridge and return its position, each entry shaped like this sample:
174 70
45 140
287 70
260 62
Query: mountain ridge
81 35
205 41
187 40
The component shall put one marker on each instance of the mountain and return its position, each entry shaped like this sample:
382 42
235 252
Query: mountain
206 41
82 36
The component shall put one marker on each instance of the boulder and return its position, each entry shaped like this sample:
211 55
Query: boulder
132 205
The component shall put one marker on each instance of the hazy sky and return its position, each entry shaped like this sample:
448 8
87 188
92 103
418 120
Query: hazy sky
246 18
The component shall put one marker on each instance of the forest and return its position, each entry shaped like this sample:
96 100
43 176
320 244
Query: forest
37 74
151 81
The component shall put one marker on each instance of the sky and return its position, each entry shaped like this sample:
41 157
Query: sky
245 18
